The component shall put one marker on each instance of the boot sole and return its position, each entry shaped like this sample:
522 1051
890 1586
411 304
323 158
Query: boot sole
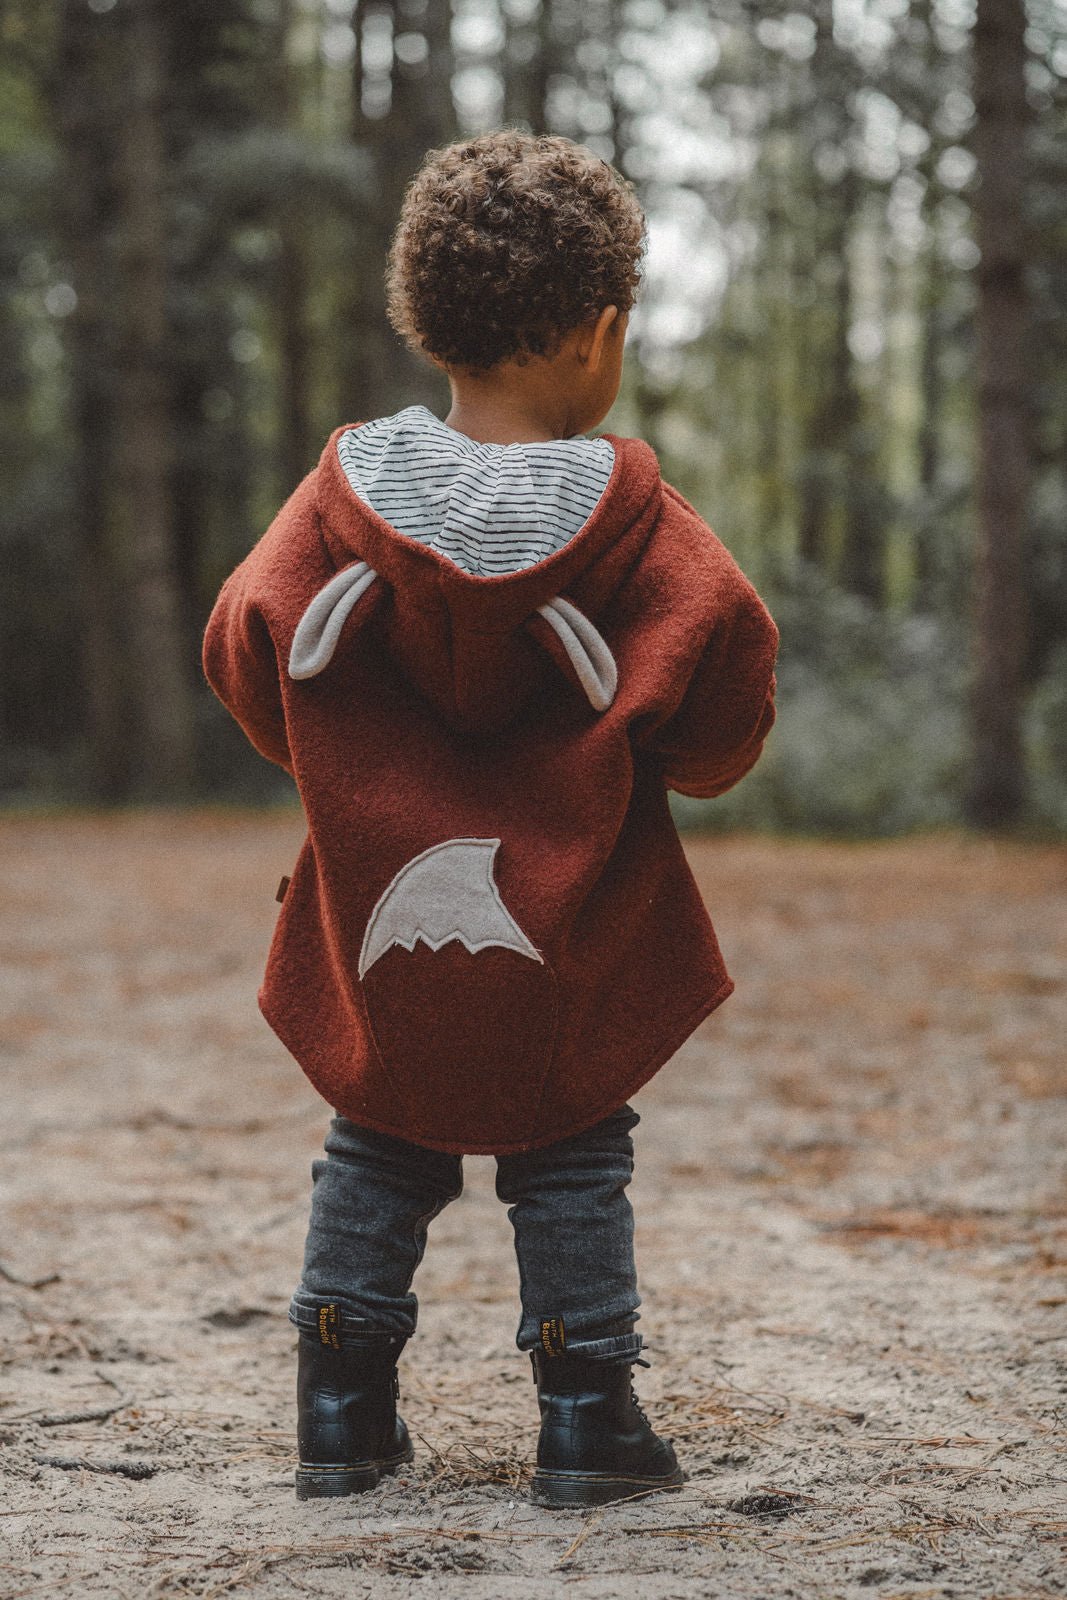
323 1481
595 1488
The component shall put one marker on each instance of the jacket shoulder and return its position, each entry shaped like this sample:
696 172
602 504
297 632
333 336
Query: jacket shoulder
289 562
686 527
687 566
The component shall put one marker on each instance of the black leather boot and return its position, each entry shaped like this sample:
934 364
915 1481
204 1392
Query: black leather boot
348 1432
596 1443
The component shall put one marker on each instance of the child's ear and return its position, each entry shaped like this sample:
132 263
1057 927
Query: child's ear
594 336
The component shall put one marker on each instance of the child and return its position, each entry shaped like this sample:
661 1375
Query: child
485 648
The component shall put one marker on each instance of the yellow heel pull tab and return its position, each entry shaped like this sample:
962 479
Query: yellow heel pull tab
553 1336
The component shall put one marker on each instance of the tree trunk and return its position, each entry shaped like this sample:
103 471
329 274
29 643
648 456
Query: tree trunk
524 68
165 756
380 375
84 216
998 782
863 542
833 416
826 493
296 454
928 560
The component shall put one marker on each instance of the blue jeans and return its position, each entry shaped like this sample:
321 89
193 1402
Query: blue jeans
375 1196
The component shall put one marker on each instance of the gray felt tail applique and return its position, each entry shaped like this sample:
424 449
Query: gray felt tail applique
446 892
319 629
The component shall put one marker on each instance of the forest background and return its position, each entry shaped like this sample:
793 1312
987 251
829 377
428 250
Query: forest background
848 353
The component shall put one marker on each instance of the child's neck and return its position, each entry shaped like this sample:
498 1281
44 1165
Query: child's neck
519 403
492 420
538 398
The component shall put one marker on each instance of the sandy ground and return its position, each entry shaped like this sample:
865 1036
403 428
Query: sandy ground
851 1206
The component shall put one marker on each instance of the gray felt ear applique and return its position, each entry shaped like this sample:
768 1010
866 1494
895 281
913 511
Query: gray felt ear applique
588 652
319 629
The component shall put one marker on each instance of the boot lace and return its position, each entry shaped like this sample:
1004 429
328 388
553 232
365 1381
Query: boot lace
634 1401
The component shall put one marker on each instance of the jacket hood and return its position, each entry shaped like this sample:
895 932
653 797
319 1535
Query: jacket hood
478 648
491 508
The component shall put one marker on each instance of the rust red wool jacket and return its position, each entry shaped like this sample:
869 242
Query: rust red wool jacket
491 937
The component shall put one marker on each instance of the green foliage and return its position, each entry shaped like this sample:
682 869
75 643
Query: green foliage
1046 736
871 731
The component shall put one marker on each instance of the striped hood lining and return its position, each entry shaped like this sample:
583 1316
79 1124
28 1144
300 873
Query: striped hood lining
490 508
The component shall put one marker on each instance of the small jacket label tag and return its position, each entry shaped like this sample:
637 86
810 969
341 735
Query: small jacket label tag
283 890
553 1336
330 1326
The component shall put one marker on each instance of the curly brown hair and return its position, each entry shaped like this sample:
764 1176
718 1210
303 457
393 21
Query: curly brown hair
508 242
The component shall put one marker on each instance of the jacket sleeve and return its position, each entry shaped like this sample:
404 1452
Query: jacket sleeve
241 665
716 733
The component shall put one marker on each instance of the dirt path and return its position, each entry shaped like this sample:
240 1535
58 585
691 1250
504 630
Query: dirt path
851 1205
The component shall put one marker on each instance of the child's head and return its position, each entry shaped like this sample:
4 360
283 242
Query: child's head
510 248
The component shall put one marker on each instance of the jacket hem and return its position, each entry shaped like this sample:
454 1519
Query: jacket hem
670 1043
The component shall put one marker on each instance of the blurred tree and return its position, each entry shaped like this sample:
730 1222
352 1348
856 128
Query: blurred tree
143 451
80 80
295 232
831 414
401 106
41 645
532 58
922 83
1047 235
1001 144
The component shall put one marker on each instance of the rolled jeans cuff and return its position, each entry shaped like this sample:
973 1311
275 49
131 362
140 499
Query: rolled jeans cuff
621 1347
330 1317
